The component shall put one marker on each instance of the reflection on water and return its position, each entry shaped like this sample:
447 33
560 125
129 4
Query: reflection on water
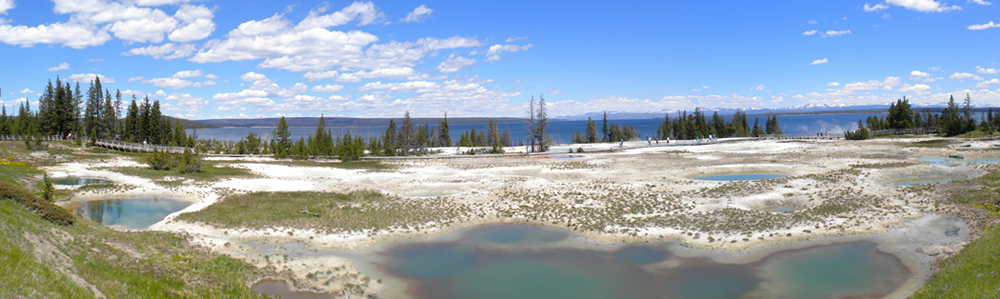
133 213
740 177
75 181
280 289
519 261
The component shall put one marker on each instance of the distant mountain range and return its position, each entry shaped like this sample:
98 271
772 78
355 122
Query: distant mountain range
613 115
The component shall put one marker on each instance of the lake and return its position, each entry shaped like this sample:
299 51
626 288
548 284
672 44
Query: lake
561 131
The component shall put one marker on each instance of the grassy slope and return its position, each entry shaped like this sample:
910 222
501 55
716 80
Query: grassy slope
38 257
975 271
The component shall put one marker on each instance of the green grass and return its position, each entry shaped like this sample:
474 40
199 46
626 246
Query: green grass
19 175
210 171
972 273
367 165
169 266
353 211
936 143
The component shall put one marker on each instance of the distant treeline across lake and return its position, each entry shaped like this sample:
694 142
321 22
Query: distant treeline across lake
561 131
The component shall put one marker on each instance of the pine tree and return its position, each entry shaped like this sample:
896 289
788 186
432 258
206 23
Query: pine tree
407 137
132 122
604 128
591 131
144 129
444 135
282 143
541 130
390 139
92 114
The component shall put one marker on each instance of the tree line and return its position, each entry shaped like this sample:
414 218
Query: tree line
64 110
953 120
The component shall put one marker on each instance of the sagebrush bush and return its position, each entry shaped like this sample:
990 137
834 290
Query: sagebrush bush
47 210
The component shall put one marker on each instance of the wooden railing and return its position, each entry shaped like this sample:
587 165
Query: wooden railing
834 136
137 147
30 137
922 130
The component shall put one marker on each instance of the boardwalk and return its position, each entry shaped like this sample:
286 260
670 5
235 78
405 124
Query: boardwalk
137 147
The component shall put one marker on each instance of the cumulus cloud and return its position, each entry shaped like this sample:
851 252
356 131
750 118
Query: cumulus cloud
327 88
919 74
133 79
918 5
6 5
175 83
87 77
888 84
830 33
183 103
871 8
980 2
555 91
810 32
26 90
165 51
316 76
260 94
833 84
493 54
918 88
251 76
981 70
759 87
454 64
961 76
418 14
819 61
187 74
986 84
391 73
61 66
983 26
94 22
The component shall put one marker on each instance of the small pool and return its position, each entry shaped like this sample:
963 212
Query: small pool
740 177
134 213
920 181
77 181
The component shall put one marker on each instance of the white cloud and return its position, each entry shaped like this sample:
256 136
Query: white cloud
555 91
392 73
965 76
259 95
175 83
830 33
810 32
133 79
918 88
166 51
871 8
150 28
512 39
26 90
183 103
812 22
980 2
197 25
493 54
888 84
187 74
833 84
211 76
981 70
251 76
73 35
923 5
418 14
919 74
983 26
365 12
986 84
6 5
759 87
454 64
316 76
327 88
61 66
90 77
819 61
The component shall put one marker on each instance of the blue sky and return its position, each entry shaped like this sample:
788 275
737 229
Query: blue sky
239 59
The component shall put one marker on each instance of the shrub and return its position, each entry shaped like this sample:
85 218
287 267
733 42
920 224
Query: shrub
579 149
189 162
47 190
46 210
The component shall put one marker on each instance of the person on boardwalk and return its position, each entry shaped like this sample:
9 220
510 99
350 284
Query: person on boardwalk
621 143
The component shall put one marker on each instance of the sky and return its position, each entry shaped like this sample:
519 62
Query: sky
207 59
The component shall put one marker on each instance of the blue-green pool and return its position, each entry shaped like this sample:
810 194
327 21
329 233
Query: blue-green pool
133 213
521 261
76 181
